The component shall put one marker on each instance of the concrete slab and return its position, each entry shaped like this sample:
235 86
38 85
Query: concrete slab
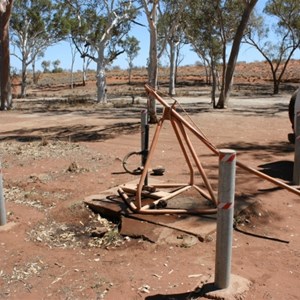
152 227
139 229
238 288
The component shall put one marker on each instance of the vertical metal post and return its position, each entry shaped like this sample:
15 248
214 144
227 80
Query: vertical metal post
226 190
296 170
144 139
2 202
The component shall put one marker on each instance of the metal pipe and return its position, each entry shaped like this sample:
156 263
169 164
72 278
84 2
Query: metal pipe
198 164
268 178
216 151
147 211
144 140
226 191
147 165
179 139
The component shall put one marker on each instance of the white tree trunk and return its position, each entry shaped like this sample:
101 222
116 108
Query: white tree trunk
153 59
172 68
85 65
24 79
73 56
101 78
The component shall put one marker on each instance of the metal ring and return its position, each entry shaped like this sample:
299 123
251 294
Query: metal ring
136 171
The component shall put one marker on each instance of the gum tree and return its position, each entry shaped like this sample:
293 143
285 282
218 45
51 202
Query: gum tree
247 8
202 29
35 26
170 35
132 48
100 26
151 11
5 14
212 26
155 10
287 31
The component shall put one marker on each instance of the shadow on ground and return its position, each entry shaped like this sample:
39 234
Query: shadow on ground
279 169
198 292
270 148
73 133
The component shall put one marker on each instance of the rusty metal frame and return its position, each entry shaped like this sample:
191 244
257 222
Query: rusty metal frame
180 125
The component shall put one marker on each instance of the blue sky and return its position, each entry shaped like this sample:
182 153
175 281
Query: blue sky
62 52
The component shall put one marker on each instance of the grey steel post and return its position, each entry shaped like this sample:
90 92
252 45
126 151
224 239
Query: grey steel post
144 139
226 191
2 202
296 171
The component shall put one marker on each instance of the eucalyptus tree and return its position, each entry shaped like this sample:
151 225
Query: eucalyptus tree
155 10
100 26
212 26
35 25
46 65
277 52
132 48
151 12
5 14
202 29
247 7
76 32
170 34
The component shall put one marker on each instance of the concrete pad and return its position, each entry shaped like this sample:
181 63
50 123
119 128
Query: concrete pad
139 229
109 204
153 226
237 289
162 230
200 226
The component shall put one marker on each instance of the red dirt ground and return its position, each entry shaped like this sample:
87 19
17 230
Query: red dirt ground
55 154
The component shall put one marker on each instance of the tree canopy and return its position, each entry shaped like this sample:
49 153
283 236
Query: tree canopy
99 31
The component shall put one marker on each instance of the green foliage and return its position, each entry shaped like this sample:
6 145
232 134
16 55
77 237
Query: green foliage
286 27
131 47
57 70
287 12
45 65
92 23
37 19
202 29
211 25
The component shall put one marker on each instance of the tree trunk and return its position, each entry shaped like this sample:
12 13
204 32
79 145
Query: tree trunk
130 72
101 78
24 79
73 57
276 87
84 72
153 63
214 83
34 77
6 96
172 69
225 91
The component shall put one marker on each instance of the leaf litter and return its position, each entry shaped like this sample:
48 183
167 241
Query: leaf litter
62 235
